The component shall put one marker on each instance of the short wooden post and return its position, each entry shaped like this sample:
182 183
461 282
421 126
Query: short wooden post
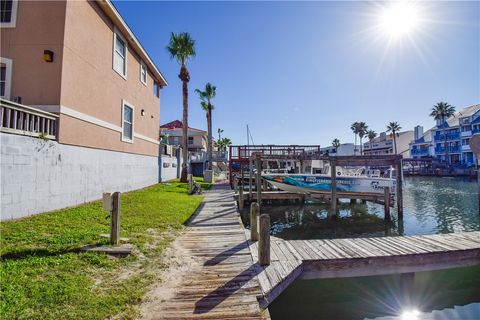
190 183
264 240
115 221
254 213
240 197
265 185
333 177
258 178
386 203
399 190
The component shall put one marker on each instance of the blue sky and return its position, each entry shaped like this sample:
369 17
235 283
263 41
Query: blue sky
302 72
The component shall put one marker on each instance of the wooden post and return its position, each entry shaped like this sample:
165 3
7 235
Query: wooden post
265 185
386 203
353 201
399 190
258 178
264 240
333 175
240 197
115 219
190 183
254 213
250 178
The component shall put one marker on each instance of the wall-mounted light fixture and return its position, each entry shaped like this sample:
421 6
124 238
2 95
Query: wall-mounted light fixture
142 112
48 55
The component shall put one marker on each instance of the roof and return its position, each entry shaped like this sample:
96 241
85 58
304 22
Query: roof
465 112
177 124
388 136
114 15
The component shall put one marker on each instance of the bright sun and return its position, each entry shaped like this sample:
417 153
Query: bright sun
399 19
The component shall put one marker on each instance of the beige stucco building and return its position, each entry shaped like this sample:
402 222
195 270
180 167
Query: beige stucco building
80 60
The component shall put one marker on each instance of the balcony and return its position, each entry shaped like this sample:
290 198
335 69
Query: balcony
467 133
451 149
450 136
217 156
466 147
419 152
23 120
475 130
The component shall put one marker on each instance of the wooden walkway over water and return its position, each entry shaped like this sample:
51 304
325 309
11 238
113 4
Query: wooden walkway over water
291 259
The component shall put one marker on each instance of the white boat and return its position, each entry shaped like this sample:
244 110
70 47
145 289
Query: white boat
357 180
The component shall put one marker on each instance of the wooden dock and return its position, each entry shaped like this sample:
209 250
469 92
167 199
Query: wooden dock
224 284
316 259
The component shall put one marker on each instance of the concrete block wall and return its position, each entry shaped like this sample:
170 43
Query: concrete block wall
168 168
39 176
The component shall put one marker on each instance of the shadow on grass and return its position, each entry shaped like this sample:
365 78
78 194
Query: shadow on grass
23 254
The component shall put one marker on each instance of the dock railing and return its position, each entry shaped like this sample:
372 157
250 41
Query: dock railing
27 121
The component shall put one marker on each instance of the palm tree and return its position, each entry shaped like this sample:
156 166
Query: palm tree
224 143
355 127
206 96
220 131
371 135
394 127
362 131
442 111
336 144
182 49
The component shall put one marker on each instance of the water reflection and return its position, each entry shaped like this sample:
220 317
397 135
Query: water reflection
447 294
431 205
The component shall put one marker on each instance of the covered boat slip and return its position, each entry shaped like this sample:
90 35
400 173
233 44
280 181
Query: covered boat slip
244 159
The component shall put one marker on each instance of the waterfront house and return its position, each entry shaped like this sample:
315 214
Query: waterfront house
422 144
73 72
345 149
383 144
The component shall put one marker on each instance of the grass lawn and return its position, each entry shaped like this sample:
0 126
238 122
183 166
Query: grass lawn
44 275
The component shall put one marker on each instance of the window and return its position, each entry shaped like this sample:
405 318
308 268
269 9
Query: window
127 122
5 77
143 73
156 89
190 140
119 54
8 13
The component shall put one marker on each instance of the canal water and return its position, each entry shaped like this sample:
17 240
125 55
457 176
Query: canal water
431 205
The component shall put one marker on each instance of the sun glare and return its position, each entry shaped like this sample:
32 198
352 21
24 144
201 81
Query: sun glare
410 315
399 18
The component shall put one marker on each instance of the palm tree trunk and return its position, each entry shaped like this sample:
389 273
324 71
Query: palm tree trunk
184 76
361 146
395 141
355 146
447 160
209 145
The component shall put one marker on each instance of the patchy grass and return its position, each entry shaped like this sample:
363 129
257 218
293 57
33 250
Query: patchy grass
44 275
199 180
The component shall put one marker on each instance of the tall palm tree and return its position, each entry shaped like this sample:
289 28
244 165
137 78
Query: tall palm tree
371 135
354 127
336 144
224 143
206 96
362 131
182 48
394 128
442 111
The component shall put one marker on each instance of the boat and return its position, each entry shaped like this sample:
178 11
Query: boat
357 180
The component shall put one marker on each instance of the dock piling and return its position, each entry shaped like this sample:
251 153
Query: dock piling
386 203
399 190
258 178
264 240
333 174
254 213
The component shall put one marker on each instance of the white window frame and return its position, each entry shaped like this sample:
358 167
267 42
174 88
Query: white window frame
116 33
8 77
126 103
142 68
13 19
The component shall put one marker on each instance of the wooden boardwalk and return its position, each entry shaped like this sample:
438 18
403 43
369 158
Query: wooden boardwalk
362 257
224 284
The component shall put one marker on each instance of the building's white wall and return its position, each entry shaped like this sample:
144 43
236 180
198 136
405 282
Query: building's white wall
169 168
39 176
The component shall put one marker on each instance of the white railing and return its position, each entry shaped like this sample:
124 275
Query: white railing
202 156
19 119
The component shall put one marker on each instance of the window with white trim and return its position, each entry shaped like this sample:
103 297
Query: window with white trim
119 54
143 73
8 13
127 123
156 89
5 77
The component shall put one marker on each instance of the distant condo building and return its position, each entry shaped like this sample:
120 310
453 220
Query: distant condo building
455 133
384 144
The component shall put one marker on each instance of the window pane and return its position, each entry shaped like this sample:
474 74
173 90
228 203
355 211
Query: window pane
127 130
6 10
120 46
2 88
119 63
3 72
127 114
